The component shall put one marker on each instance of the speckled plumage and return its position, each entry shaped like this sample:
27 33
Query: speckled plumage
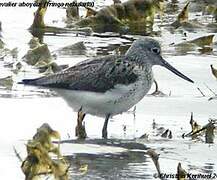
97 75
109 85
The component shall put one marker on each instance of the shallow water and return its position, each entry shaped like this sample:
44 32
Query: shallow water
24 109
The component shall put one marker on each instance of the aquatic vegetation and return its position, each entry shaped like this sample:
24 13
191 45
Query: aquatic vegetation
198 131
203 41
167 134
155 158
14 53
90 12
40 57
75 49
5 52
1 44
38 52
211 9
194 125
182 17
83 169
214 71
209 132
44 135
183 21
135 15
38 27
181 173
202 44
144 136
34 42
38 161
6 82
38 21
17 67
42 159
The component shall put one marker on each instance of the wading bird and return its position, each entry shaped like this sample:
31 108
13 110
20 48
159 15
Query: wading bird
109 85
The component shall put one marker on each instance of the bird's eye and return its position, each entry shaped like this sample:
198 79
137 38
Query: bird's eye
155 50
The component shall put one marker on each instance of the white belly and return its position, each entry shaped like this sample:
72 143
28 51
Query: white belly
115 101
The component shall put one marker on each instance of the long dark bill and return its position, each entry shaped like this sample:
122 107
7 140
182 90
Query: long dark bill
175 71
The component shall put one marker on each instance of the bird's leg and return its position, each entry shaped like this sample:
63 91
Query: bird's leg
80 131
104 130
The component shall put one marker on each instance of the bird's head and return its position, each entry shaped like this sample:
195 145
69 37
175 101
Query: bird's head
147 52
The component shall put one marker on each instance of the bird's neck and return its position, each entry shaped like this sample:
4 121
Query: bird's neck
138 59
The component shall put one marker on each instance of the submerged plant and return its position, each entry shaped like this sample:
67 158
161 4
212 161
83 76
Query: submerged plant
203 44
39 162
181 173
155 158
198 130
133 14
38 52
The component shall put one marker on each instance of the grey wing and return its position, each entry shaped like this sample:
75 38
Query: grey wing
97 75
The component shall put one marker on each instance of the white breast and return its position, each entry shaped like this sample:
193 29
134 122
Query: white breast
115 101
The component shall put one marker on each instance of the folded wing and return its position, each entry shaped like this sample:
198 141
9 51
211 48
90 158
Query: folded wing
96 75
